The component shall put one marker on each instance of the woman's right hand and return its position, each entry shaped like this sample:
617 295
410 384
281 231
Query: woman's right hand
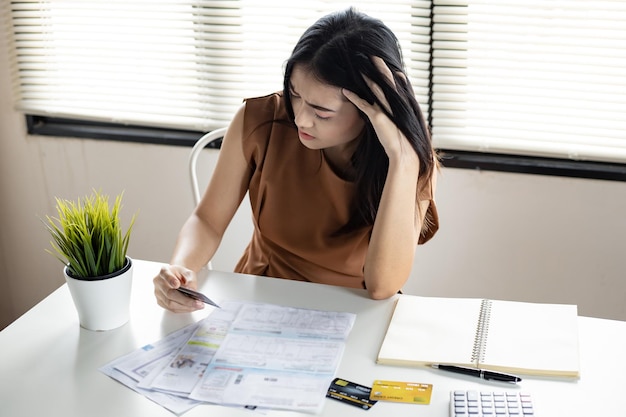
171 277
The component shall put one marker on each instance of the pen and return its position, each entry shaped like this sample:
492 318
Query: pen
479 373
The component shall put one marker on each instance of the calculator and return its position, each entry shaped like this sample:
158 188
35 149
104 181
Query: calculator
470 403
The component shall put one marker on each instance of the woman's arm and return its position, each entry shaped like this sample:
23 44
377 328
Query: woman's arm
202 232
400 216
396 231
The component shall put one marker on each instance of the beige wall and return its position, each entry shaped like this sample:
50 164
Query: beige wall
503 235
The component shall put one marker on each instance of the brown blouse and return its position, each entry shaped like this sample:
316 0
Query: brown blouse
298 202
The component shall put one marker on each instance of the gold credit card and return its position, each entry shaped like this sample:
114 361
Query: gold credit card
403 392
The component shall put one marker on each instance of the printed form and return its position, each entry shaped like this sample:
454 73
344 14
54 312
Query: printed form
248 354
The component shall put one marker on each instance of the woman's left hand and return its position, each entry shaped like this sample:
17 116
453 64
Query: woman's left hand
391 138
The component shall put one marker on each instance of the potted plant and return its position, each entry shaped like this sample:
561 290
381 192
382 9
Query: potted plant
87 238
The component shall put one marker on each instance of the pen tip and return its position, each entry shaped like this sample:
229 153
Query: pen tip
434 365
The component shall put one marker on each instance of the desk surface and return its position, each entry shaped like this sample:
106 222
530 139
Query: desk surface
49 365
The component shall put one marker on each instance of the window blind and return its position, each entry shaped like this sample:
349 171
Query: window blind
528 77
532 77
180 64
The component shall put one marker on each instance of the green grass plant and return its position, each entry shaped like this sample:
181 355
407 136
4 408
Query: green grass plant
87 235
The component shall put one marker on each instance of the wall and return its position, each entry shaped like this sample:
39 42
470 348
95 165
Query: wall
528 237
503 235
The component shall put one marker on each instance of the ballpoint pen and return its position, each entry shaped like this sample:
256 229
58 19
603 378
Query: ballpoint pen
479 373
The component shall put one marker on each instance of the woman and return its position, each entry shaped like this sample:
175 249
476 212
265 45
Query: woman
339 168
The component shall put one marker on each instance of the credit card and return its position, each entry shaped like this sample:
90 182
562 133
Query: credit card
403 392
350 393
197 296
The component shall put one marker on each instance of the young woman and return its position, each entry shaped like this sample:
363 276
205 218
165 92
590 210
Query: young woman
339 168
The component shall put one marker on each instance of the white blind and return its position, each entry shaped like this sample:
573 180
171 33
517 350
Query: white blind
176 63
531 77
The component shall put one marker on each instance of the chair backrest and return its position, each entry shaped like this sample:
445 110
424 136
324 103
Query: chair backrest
203 142
238 232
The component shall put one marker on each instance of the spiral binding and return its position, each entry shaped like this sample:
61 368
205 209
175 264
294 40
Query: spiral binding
482 331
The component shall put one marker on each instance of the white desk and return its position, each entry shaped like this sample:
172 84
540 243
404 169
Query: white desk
49 365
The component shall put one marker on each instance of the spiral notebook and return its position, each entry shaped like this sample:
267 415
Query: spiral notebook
507 336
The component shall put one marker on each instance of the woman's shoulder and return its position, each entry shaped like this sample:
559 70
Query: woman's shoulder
265 106
264 111
276 95
265 121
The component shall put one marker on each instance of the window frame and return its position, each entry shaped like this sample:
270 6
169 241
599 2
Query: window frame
58 127
73 128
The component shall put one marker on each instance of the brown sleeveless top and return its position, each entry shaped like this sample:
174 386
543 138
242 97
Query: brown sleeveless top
298 203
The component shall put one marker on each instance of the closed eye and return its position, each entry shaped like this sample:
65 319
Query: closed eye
295 95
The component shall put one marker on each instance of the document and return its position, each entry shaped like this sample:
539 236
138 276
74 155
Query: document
137 365
131 369
189 362
244 354
277 357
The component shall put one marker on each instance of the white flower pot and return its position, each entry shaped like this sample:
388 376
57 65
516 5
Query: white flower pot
102 303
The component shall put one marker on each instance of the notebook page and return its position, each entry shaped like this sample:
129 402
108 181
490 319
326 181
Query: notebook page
427 330
533 338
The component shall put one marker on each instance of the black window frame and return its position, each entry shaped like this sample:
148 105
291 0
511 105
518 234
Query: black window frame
65 127
62 127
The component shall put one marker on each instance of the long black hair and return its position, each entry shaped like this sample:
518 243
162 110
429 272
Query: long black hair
338 50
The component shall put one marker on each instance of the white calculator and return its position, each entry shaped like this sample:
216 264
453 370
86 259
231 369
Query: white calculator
470 403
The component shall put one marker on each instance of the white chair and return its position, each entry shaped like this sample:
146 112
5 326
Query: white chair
238 233
215 135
